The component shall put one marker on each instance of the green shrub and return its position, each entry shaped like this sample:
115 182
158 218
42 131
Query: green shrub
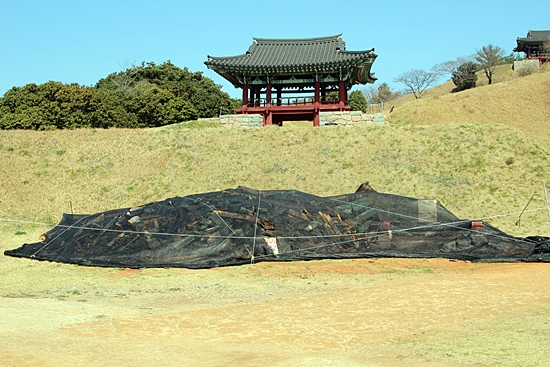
149 95
465 77
357 101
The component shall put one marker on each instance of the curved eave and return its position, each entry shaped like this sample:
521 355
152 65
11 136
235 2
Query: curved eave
218 61
366 52
524 45
371 79
351 66
247 61
529 42
292 69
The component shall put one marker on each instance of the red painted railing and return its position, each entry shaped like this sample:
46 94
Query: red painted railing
289 101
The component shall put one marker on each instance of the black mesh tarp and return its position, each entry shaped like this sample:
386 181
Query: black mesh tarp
239 226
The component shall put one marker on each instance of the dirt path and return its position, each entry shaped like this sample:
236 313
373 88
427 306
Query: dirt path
328 313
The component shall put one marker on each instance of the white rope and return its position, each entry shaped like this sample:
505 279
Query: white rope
357 236
217 236
432 224
390 235
256 227
53 239
380 210
214 210
228 226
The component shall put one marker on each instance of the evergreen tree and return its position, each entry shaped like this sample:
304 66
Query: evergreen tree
357 101
201 92
144 96
465 77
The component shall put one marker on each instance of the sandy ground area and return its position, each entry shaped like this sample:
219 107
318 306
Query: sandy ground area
384 312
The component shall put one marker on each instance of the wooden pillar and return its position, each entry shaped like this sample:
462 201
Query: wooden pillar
317 91
251 99
268 119
279 97
268 94
316 117
245 95
341 93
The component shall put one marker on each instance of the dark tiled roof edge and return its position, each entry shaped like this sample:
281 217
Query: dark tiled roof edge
535 36
300 52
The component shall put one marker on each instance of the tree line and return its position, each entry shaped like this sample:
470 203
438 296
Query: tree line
147 95
462 70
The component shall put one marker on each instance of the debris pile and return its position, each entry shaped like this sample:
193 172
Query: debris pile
240 226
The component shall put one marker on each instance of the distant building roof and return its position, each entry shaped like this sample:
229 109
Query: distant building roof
534 38
292 56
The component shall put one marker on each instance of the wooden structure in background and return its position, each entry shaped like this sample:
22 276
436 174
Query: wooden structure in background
295 79
535 46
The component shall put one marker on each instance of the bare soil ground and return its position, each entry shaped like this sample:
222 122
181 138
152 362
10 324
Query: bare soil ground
377 312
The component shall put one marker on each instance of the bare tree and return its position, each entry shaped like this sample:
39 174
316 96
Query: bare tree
417 81
370 93
381 94
445 68
449 67
488 58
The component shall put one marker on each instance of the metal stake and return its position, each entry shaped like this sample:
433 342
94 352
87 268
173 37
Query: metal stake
518 223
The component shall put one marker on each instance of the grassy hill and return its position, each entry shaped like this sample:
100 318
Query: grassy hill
483 153
502 73
523 103
475 170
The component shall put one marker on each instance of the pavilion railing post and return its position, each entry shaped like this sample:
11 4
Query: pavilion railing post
245 95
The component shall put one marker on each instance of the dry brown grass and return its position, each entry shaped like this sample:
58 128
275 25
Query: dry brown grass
464 166
523 103
403 312
503 73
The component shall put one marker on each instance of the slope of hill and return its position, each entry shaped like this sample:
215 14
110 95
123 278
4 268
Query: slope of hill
386 312
502 73
475 170
523 103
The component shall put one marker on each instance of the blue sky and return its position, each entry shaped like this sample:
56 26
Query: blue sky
81 41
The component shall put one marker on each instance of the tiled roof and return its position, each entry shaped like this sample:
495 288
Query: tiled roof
306 53
536 37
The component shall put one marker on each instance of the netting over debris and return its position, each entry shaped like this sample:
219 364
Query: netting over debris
238 226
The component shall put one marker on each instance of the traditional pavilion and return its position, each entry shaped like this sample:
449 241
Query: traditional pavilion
535 46
295 79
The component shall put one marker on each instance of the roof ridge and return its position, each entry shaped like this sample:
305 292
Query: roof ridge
297 40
